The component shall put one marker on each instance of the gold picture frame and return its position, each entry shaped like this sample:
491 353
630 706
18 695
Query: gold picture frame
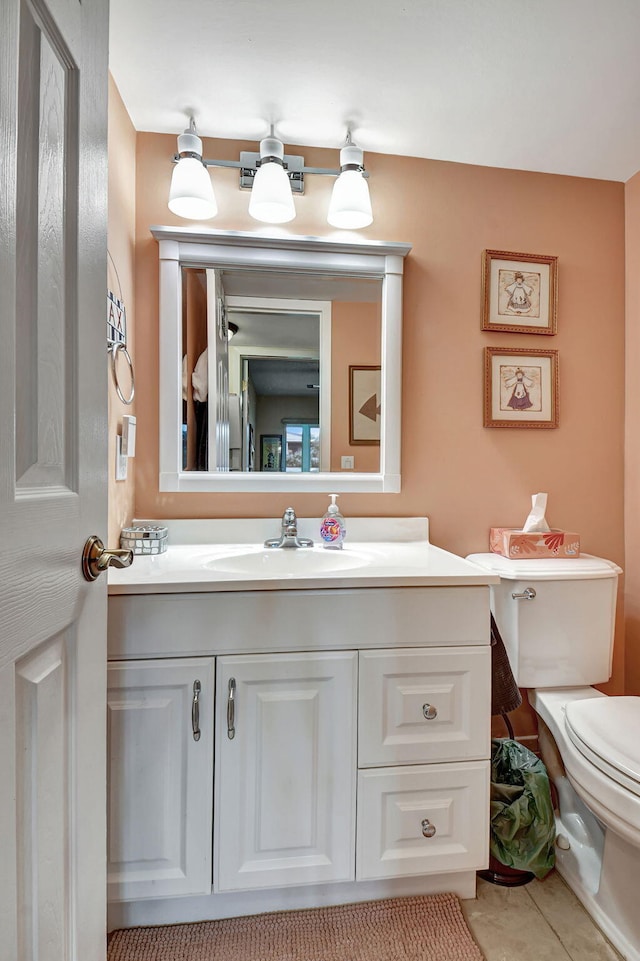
519 292
520 387
364 405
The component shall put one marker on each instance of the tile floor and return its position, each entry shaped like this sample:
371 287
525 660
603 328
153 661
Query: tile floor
541 921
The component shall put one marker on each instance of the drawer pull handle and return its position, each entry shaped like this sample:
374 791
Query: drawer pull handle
195 710
528 594
231 709
429 711
428 830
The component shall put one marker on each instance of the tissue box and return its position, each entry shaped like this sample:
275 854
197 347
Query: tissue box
518 545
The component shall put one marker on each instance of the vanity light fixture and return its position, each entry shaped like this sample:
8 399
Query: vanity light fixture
232 330
273 177
191 193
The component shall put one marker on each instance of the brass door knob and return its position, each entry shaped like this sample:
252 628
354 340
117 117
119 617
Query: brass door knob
96 558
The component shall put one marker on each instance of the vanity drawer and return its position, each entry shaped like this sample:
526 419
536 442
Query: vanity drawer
422 820
252 622
418 706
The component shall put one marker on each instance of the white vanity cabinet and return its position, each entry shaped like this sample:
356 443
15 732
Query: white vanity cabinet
160 765
345 758
285 773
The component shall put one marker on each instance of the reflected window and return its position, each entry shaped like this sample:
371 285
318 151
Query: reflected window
301 452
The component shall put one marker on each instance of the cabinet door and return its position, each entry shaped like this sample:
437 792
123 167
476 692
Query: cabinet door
285 770
160 778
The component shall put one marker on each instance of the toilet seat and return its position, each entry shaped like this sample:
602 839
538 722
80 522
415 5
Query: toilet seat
605 731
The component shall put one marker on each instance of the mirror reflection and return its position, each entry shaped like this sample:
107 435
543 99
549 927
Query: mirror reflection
267 379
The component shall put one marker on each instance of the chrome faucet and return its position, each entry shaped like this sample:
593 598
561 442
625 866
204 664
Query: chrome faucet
289 533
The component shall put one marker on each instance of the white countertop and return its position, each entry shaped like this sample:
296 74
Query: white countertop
403 557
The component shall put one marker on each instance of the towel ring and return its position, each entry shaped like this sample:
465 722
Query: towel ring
113 354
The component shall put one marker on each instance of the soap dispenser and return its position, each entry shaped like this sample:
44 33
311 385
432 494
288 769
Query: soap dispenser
333 528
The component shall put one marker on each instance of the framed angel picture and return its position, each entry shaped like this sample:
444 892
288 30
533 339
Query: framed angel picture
520 387
519 292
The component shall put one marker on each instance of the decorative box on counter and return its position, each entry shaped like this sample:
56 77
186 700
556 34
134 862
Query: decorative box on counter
518 544
144 539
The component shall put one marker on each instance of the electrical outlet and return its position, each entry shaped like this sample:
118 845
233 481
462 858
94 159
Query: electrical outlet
121 461
347 463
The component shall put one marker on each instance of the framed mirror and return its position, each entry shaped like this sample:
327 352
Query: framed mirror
259 341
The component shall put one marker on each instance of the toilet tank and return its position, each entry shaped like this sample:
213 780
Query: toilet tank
561 635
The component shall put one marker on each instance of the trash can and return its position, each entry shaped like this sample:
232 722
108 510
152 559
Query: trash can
522 824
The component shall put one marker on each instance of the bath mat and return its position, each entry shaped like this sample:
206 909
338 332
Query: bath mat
399 929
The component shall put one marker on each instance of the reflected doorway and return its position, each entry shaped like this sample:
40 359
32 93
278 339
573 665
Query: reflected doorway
281 414
280 385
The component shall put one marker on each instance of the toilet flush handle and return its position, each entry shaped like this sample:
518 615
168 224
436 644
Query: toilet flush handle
528 594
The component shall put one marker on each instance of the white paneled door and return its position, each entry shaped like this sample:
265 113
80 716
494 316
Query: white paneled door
218 358
53 116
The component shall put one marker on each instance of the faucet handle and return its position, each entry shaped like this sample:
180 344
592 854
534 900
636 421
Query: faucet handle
289 517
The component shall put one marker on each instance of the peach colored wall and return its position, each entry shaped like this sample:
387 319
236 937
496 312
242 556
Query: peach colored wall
121 242
466 478
632 439
355 339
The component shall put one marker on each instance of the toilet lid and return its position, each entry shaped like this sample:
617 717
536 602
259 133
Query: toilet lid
606 731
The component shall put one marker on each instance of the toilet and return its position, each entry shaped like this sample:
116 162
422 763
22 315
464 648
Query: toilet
556 617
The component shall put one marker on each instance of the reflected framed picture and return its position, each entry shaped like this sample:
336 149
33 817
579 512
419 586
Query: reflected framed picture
116 321
520 387
270 452
519 292
364 405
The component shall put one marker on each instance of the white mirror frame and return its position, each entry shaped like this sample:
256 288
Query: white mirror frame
183 246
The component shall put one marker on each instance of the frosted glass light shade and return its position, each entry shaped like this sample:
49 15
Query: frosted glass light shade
271 198
191 194
350 206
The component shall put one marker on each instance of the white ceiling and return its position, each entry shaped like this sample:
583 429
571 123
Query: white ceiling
290 331
547 85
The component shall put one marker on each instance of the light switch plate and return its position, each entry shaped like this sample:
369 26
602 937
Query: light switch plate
128 435
347 462
121 461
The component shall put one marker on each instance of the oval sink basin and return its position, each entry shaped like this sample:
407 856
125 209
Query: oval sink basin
300 562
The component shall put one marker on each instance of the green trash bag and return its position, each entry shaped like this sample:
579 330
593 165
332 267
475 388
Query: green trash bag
523 828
